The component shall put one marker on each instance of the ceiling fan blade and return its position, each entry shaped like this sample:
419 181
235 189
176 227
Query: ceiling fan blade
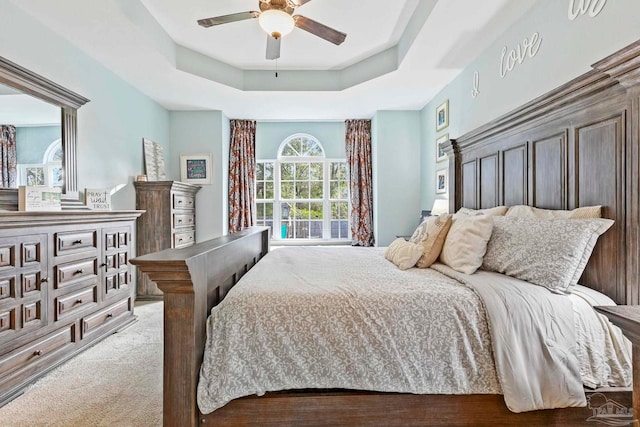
225 19
299 3
320 30
273 47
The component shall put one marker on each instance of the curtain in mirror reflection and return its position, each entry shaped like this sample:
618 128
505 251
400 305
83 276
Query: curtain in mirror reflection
8 156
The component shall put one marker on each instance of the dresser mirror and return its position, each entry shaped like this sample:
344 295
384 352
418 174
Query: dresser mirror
42 115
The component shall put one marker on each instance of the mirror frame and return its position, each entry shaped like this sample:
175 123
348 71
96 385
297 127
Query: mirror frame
35 85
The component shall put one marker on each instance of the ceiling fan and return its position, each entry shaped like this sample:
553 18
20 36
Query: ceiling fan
277 19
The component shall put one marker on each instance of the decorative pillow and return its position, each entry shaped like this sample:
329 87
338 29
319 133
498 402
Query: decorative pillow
523 211
466 242
549 253
430 234
403 254
497 211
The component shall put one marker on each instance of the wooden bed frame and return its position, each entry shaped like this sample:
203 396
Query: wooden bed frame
578 145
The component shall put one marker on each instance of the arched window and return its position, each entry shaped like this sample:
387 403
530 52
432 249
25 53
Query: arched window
302 194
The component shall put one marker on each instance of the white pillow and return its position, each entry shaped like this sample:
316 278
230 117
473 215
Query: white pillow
466 242
403 254
549 253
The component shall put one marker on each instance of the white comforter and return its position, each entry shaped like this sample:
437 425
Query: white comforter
294 323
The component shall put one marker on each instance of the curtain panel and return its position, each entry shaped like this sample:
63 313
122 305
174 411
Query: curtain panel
358 147
242 173
8 157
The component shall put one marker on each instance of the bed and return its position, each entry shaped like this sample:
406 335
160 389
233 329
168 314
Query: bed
576 146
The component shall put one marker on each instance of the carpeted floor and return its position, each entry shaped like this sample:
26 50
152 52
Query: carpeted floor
117 382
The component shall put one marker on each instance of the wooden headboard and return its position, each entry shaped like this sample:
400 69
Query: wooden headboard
577 145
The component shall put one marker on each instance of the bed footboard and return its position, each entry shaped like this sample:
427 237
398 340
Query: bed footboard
194 280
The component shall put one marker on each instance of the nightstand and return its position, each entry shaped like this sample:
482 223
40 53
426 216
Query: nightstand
627 318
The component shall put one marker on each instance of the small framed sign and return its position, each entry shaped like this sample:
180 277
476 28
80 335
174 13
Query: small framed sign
36 199
97 199
195 168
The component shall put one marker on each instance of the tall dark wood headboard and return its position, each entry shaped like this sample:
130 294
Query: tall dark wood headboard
578 145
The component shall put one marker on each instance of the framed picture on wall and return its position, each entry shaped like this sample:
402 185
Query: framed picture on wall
195 168
441 181
442 116
32 175
440 154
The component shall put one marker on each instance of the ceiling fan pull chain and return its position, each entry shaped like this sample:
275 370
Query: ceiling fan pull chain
276 68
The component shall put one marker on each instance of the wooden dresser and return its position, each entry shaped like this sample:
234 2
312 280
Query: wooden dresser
169 222
65 283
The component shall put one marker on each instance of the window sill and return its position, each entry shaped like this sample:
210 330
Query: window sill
309 242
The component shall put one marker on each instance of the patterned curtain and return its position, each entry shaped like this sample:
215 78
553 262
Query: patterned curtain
8 157
242 173
358 145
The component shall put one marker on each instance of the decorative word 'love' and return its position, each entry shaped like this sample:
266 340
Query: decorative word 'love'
593 7
528 47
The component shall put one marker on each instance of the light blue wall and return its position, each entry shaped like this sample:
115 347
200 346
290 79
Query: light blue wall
111 126
32 142
396 174
269 136
201 132
567 50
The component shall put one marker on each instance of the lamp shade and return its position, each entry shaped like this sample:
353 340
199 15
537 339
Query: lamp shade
440 206
276 23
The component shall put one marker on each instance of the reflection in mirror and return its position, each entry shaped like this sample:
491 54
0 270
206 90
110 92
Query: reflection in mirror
31 140
56 163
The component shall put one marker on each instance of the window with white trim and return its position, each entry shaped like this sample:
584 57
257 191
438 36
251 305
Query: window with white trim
303 195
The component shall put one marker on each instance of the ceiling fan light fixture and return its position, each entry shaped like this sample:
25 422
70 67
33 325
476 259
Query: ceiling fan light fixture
276 23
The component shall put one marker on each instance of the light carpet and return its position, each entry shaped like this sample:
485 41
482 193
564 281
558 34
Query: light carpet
117 382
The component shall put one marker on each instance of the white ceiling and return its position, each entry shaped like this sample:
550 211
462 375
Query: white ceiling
397 55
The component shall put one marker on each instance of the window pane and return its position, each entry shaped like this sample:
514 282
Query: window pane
268 190
285 210
339 210
286 188
301 211
316 210
334 190
302 171
288 151
338 170
344 191
259 171
268 171
315 229
301 229
286 171
316 190
314 149
302 190
316 170
260 190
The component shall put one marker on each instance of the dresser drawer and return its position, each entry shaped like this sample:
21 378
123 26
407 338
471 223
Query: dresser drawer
91 323
34 352
73 242
183 220
184 239
75 301
73 272
183 201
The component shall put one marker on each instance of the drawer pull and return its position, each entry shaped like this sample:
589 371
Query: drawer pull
79 301
76 242
104 264
80 271
37 353
44 280
179 202
179 221
109 316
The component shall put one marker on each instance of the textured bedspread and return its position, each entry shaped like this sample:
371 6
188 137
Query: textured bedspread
293 322
309 318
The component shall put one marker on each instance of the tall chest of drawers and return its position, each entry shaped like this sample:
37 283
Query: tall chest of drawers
169 221
65 282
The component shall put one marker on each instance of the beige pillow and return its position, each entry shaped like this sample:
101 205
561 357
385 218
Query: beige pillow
403 254
497 211
430 235
466 242
523 211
